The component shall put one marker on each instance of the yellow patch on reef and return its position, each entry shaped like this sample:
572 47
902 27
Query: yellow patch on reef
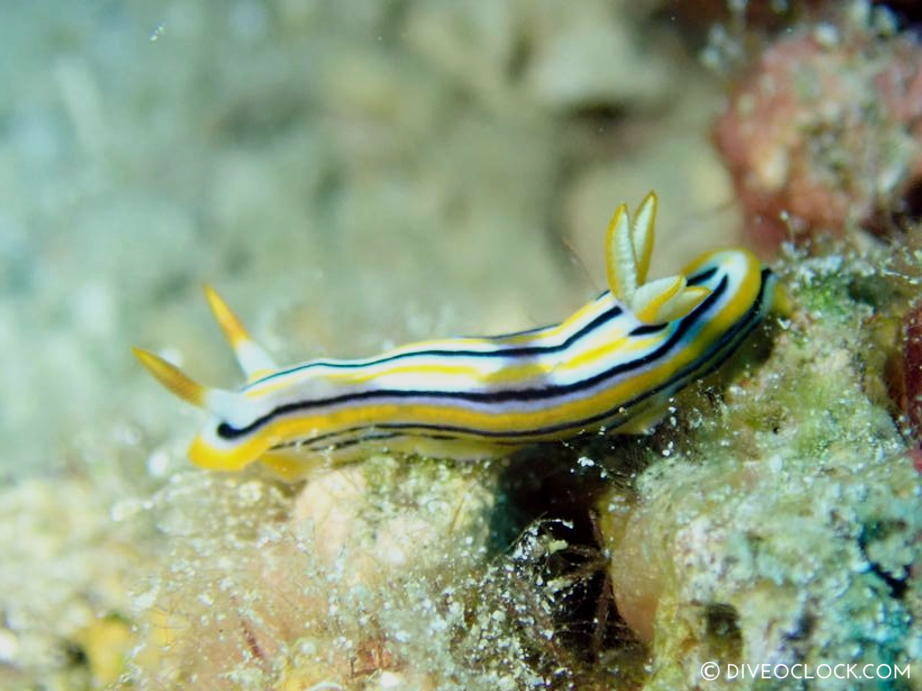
106 642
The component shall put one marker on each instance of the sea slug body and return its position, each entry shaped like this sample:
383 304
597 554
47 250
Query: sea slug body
612 364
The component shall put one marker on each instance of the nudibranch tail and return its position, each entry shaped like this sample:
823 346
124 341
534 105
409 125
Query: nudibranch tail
253 360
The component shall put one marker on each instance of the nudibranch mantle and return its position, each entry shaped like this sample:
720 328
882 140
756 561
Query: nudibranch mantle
613 364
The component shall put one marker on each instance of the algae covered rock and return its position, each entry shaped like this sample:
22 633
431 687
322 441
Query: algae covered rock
784 529
65 586
265 582
391 573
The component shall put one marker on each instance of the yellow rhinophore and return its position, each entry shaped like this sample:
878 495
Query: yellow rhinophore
253 360
628 247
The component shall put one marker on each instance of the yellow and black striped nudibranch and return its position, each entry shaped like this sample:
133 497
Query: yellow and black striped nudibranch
613 364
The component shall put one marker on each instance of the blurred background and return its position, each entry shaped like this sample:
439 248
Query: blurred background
351 175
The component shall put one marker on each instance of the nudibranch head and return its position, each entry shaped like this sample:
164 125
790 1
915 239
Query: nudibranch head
613 364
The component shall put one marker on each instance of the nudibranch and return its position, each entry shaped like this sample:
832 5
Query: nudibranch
612 365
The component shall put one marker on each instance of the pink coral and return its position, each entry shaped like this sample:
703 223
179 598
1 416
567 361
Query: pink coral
825 133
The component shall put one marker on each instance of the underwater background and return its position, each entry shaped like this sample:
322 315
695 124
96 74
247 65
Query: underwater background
354 175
